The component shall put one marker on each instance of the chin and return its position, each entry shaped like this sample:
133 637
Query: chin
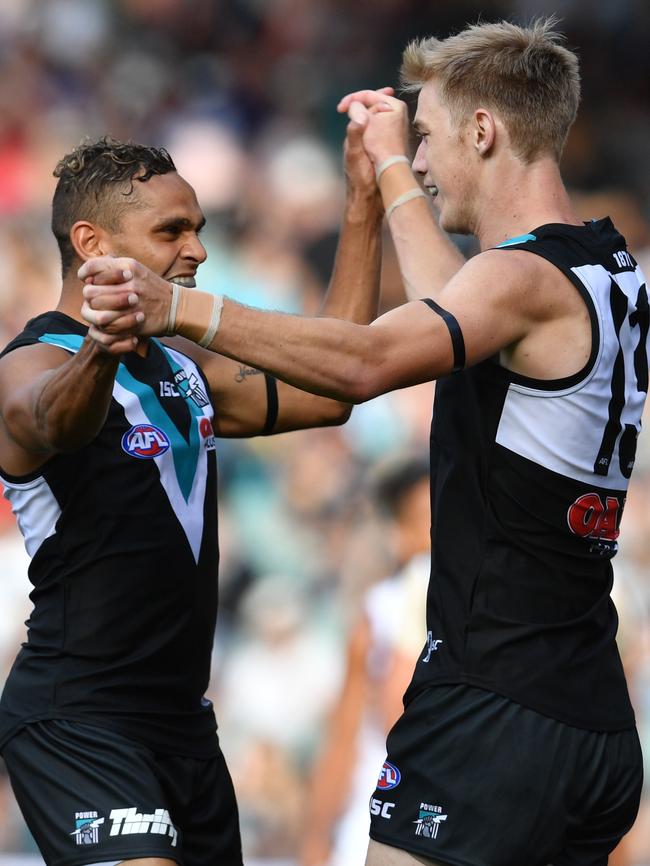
454 224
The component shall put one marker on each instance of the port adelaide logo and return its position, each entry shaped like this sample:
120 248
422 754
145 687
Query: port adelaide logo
145 441
87 828
429 820
389 777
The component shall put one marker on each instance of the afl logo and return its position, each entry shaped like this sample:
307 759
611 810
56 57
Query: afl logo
145 441
389 777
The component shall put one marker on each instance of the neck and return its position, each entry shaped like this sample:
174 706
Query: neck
71 298
520 199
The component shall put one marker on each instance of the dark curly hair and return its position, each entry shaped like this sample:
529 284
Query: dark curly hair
95 182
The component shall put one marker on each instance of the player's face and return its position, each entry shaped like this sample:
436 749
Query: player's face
445 160
162 229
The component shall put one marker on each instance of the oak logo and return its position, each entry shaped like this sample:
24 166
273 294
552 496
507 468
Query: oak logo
591 517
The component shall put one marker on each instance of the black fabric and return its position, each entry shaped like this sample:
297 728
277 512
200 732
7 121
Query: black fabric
483 781
517 602
67 776
122 628
457 341
271 404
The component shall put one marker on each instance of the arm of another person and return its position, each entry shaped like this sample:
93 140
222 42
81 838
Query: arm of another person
331 774
497 301
248 403
51 401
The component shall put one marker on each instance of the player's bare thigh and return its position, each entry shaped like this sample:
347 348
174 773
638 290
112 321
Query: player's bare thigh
385 855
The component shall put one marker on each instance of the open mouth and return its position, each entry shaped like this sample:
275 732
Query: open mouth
433 190
186 282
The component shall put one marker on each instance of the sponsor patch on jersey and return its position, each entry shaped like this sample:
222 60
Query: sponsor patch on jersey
125 822
207 434
145 441
380 809
429 820
87 828
389 777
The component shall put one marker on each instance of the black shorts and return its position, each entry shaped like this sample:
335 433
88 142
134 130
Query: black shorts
473 779
90 795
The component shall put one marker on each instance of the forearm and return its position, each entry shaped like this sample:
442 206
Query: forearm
69 404
325 356
353 292
427 258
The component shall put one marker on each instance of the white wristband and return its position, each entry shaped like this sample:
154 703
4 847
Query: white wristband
173 309
416 192
215 319
386 163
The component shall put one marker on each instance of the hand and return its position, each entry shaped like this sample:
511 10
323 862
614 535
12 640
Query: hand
359 170
122 300
384 120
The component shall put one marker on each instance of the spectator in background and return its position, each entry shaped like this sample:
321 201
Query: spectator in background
378 669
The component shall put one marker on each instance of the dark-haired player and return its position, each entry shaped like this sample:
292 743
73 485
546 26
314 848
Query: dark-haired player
517 746
109 463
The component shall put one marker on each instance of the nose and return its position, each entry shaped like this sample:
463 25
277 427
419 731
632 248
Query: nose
194 250
419 161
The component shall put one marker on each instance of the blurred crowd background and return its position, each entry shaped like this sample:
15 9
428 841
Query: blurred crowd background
243 94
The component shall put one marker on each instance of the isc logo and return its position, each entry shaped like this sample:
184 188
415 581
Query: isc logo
145 441
381 809
389 777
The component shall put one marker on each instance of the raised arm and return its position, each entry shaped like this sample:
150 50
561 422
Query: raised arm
427 258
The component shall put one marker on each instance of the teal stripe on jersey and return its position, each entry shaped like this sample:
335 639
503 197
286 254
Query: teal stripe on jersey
185 454
71 342
520 239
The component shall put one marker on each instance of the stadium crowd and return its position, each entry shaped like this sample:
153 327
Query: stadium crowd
243 94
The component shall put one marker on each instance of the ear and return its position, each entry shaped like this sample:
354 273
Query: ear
89 240
484 131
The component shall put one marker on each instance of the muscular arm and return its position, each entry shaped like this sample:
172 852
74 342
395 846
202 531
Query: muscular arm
492 298
240 397
510 302
51 402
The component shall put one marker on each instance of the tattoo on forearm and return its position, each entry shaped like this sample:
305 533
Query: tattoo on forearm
244 372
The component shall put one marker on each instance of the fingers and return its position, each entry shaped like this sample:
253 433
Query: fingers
112 321
109 297
368 98
105 270
358 115
114 345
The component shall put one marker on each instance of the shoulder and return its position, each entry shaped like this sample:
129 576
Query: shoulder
519 280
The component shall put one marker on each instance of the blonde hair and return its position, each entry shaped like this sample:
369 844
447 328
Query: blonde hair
524 74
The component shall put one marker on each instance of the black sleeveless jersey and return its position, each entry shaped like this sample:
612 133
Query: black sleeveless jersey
123 539
528 487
